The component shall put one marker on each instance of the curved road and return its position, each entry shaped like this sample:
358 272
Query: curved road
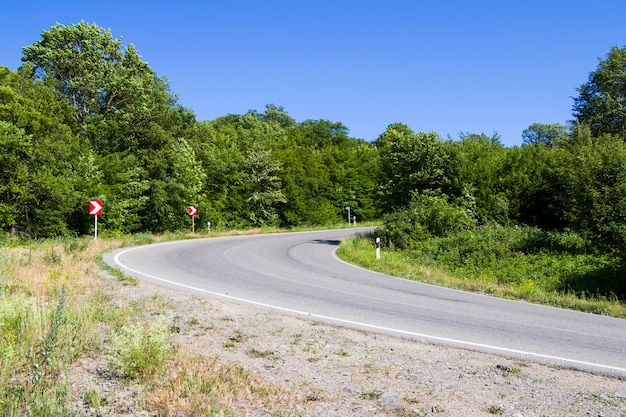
299 273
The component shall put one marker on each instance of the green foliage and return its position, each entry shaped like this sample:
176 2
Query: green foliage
121 184
106 84
477 163
412 163
34 343
545 134
427 216
18 314
140 351
264 188
601 103
41 161
529 259
532 184
264 170
554 268
596 189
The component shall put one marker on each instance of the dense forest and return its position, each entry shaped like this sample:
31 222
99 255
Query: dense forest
86 118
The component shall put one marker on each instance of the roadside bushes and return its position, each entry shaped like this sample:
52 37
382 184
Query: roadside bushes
426 216
435 231
528 259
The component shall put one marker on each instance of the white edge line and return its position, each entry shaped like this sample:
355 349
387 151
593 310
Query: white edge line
370 326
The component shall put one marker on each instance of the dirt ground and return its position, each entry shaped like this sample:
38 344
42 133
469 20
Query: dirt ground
334 371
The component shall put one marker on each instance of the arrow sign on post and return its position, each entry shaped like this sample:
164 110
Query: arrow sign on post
95 210
193 212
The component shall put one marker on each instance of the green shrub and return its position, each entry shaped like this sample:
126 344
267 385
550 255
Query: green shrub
19 319
140 351
427 216
529 259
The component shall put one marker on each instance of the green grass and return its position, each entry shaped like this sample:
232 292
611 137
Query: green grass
139 350
56 310
519 263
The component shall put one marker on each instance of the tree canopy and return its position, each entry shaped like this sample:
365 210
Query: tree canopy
601 103
546 134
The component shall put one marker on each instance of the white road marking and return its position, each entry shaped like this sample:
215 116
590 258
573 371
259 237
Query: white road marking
371 326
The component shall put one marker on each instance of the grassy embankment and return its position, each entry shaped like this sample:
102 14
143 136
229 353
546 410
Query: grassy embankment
57 311
517 263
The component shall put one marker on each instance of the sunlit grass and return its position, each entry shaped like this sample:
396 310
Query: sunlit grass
56 309
405 264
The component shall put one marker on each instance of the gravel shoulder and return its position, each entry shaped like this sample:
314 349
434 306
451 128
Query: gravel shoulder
326 370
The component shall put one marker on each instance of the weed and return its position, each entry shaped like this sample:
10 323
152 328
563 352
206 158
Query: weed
238 337
139 350
42 358
509 370
121 277
495 409
314 395
76 244
174 328
94 398
371 395
52 257
260 353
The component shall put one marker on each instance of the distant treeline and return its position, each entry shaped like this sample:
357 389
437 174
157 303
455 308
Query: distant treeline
86 118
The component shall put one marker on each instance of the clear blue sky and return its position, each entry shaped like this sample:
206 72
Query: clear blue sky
443 66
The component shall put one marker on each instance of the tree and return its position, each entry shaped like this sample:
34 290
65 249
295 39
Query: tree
550 135
108 85
601 103
411 163
277 114
42 164
427 215
596 189
148 172
532 180
476 161
305 180
262 185
176 180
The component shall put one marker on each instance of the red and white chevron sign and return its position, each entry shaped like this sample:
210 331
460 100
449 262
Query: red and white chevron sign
95 207
192 210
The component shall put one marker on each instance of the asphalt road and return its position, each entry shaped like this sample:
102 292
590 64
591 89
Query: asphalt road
299 273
